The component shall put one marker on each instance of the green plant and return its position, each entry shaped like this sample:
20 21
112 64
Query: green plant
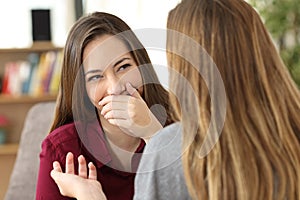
282 18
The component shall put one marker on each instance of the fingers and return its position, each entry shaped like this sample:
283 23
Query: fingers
119 122
55 175
70 163
121 98
126 125
132 91
117 114
82 169
114 106
56 171
114 103
92 171
114 98
56 166
121 110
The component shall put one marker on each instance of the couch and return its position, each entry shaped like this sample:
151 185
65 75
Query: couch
23 179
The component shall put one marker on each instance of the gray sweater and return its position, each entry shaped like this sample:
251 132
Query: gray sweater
160 173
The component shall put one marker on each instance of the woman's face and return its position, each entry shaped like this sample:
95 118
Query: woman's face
108 66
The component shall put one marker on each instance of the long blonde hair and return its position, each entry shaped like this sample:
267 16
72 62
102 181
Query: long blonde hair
258 153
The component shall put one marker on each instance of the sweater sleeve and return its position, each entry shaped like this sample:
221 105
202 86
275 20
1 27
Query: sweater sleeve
46 187
160 173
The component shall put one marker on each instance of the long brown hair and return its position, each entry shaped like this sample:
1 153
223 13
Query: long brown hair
73 97
258 153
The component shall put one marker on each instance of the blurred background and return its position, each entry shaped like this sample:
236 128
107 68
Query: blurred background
16 24
42 63
15 21
282 17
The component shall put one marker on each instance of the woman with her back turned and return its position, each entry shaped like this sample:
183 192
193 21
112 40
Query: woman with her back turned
258 152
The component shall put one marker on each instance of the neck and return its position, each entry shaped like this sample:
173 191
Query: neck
118 137
120 145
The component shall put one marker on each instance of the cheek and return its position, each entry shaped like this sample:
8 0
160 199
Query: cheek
95 92
134 78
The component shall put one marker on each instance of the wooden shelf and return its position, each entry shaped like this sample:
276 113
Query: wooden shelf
34 48
9 149
7 99
15 108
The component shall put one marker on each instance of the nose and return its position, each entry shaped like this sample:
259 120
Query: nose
115 86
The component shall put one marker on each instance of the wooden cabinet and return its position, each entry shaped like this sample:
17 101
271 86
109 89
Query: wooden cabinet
8 153
15 108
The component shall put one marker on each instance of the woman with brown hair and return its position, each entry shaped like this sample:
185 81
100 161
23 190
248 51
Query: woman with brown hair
257 153
108 86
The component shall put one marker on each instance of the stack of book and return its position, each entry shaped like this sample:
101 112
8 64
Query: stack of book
38 75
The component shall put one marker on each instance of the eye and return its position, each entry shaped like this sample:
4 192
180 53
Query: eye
123 67
94 78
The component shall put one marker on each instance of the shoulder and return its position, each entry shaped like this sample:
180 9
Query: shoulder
163 149
168 130
61 140
161 167
64 134
170 135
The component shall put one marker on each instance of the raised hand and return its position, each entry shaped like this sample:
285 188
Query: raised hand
84 185
130 113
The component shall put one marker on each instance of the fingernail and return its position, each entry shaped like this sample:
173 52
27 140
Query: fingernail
128 85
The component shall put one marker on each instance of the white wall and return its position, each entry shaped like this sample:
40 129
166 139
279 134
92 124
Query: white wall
137 13
140 14
15 21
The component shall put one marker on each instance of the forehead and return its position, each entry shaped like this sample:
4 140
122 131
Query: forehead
103 51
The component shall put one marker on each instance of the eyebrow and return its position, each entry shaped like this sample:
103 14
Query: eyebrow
93 71
99 70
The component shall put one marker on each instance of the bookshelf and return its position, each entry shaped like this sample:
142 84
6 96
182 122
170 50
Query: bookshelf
14 106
